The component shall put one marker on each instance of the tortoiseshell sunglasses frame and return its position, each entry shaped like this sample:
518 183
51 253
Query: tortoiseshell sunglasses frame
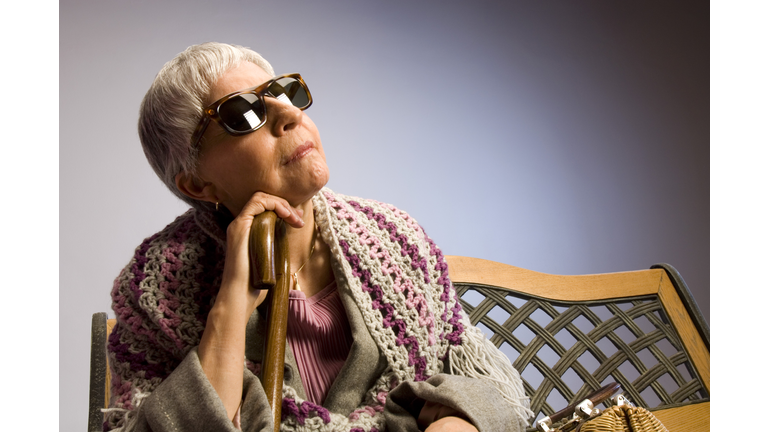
212 111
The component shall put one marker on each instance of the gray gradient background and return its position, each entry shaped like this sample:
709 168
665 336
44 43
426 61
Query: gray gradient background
562 137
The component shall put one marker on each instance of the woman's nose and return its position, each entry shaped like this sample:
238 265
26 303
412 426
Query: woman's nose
283 115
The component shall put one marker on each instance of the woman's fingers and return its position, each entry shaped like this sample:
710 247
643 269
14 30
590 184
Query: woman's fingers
261 202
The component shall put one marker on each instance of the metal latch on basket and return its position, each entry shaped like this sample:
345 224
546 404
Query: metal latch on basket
582 410
620 400
585 408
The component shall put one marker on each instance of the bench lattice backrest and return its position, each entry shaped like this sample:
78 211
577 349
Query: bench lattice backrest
566 350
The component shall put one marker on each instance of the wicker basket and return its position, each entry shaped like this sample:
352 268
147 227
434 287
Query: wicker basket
624 418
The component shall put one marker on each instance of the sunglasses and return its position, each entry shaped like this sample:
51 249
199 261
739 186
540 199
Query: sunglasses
244 111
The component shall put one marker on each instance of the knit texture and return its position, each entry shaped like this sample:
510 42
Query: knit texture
396 275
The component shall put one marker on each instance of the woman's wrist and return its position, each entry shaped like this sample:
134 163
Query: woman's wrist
227 319
236 297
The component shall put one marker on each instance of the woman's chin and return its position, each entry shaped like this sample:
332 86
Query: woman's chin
322 176
318 176
319 180
302 189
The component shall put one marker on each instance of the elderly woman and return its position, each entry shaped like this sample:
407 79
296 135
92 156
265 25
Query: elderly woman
376 337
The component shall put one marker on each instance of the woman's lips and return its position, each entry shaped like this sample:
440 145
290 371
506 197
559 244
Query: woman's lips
300 152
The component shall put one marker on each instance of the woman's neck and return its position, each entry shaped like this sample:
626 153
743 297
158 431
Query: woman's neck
316 273
300 239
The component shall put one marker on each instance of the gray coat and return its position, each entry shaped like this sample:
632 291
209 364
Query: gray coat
186 401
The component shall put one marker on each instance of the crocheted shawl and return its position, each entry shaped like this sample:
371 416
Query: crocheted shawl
397 276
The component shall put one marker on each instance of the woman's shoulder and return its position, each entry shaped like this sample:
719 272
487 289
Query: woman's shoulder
193 228
370 208
172 276
186 232
357 219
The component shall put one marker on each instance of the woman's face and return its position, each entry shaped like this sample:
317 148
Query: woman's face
284 157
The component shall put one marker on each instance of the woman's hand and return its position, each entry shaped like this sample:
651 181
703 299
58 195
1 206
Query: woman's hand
222 346
451 424
436 417
235 279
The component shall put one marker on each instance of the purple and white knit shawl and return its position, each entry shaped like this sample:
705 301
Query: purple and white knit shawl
396 275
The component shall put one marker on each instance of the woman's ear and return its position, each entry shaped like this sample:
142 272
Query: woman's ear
195 188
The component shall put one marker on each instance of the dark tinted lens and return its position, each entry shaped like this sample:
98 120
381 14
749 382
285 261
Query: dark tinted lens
292 88
242 113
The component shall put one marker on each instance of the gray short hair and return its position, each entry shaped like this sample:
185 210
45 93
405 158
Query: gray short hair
173 107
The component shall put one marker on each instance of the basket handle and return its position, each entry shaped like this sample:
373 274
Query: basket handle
582 408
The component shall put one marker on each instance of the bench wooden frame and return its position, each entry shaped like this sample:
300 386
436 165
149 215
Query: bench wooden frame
662 281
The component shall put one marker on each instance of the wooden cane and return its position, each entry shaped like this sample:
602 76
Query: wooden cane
271 270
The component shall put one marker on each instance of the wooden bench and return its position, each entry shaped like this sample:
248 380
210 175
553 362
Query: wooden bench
567 335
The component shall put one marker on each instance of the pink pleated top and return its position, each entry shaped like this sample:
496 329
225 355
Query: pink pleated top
320 338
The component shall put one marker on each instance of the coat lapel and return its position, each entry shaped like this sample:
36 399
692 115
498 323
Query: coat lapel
363 366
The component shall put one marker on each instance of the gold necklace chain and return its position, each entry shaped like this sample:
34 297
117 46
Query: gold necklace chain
311 251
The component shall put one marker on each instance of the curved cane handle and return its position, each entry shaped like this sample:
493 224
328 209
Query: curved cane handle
261 248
